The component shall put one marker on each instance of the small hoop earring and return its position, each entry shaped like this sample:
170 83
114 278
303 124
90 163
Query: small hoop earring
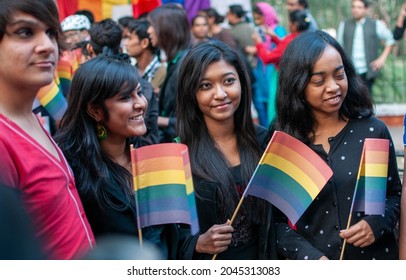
101 132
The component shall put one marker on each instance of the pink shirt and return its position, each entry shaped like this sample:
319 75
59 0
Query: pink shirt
48 190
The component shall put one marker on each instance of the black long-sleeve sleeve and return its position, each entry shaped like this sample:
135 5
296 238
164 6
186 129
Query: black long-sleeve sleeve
398 31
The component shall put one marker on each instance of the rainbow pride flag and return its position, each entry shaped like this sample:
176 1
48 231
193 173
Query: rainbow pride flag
164 186
52 99
289 175
68 63
370 189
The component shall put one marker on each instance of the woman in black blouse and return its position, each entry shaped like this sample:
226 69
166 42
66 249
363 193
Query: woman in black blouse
322 102
106 113
214 121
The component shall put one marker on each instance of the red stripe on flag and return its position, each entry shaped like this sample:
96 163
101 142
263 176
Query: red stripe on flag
158 151
379 145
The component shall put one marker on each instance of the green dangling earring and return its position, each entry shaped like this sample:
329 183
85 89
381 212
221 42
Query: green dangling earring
101 132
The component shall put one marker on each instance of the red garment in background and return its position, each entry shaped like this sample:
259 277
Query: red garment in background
139 7
66 8
144 6
274 56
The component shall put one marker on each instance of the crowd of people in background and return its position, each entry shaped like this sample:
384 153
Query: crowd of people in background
74 94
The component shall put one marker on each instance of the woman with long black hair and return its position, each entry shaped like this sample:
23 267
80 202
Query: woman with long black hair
214 121
106 110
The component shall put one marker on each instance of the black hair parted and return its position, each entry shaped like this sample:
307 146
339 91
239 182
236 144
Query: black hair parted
293 113
207 161
94 81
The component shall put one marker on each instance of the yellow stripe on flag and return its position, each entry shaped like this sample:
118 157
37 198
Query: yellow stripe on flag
52 92
375 170
189 186
300 161
161 178
293 171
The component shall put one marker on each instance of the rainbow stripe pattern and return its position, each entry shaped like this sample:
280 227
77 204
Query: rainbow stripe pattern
289 175
68 63
164 186
52 99
372 178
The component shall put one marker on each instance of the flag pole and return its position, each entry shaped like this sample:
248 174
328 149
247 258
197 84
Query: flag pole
353 199
134 171
246 189
349 221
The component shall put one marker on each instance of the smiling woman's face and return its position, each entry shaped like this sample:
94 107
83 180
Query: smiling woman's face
126 115
219 93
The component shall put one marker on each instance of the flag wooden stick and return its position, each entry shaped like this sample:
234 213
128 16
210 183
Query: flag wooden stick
134 170
348 224
246 189
352 203
233 217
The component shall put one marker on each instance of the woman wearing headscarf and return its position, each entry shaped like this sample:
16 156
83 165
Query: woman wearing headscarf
266 76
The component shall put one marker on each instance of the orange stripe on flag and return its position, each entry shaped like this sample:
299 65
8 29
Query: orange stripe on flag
376 157
307 167
158 164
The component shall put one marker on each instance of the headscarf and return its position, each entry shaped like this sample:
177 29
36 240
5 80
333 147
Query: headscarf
270 16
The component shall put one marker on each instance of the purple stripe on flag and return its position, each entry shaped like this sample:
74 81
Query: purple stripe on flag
165 217
194 222
371 193
163 204
375 208
283 205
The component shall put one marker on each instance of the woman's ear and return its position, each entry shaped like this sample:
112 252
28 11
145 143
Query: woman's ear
95 112
90 50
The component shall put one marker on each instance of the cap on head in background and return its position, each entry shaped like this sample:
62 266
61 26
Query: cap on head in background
75 22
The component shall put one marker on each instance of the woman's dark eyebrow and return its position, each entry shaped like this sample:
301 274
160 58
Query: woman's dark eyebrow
24 22
322 72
